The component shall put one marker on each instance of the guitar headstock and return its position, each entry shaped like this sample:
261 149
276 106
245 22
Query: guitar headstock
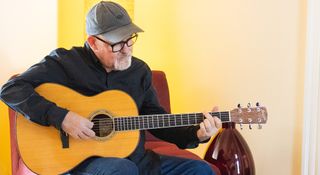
249 115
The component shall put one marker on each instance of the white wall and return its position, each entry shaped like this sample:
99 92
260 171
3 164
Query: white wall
28 33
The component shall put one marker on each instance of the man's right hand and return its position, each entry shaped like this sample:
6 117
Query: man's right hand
78 127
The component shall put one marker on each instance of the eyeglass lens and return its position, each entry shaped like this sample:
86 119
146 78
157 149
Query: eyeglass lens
129 42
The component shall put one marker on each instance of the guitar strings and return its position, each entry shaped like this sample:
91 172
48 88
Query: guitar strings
134 119
130 120
141 121
123 125
157 117
140 124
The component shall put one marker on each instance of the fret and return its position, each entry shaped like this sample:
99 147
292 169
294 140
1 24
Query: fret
125 123
161 121
175 121
119 124
184 119
172 121
128 123
192 119
225 116
145 122
198 118
115 124
131 121
138 122
150 120
155 121
135 126
122 124
166 122
178 120
141 122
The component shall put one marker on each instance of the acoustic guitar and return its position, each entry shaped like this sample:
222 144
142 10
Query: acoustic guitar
116 125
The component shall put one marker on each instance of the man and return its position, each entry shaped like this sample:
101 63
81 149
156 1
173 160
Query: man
106 62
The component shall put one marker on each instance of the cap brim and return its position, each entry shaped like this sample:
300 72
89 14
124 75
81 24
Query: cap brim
121 33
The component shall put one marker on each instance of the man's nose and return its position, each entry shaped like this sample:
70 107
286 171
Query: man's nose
126 49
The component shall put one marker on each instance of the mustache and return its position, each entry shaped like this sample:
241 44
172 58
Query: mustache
125 54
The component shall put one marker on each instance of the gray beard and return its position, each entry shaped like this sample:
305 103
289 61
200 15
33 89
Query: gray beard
122 64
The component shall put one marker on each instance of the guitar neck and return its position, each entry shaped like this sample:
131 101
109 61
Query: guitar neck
145 122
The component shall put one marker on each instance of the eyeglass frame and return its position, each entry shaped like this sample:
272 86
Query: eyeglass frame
135 35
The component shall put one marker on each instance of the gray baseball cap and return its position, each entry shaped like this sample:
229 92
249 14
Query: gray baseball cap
111 21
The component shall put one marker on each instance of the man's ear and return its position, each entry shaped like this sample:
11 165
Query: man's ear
92 43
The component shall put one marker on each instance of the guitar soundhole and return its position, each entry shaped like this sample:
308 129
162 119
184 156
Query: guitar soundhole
103 125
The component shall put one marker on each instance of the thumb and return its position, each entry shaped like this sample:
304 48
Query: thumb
89 124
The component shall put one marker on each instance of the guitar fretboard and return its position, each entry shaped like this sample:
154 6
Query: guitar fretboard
145 122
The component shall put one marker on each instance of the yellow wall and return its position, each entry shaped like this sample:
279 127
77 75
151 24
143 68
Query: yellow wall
5 157
229 52
71 30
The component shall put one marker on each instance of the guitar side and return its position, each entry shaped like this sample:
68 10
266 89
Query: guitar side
41 148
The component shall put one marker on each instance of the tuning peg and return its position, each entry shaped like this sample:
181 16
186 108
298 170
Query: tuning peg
259 123
250 120
258 107
240 121
248 106
239 108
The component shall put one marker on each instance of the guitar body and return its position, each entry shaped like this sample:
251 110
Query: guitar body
41 148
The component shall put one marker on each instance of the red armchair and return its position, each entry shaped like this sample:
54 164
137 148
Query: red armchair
18 167
157 145
161 86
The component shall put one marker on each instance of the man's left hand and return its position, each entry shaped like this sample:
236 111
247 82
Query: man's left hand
210 126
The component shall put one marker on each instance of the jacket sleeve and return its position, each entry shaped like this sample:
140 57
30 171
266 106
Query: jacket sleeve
19 93
183 137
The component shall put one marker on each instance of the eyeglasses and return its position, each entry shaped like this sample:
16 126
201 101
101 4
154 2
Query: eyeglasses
116 47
